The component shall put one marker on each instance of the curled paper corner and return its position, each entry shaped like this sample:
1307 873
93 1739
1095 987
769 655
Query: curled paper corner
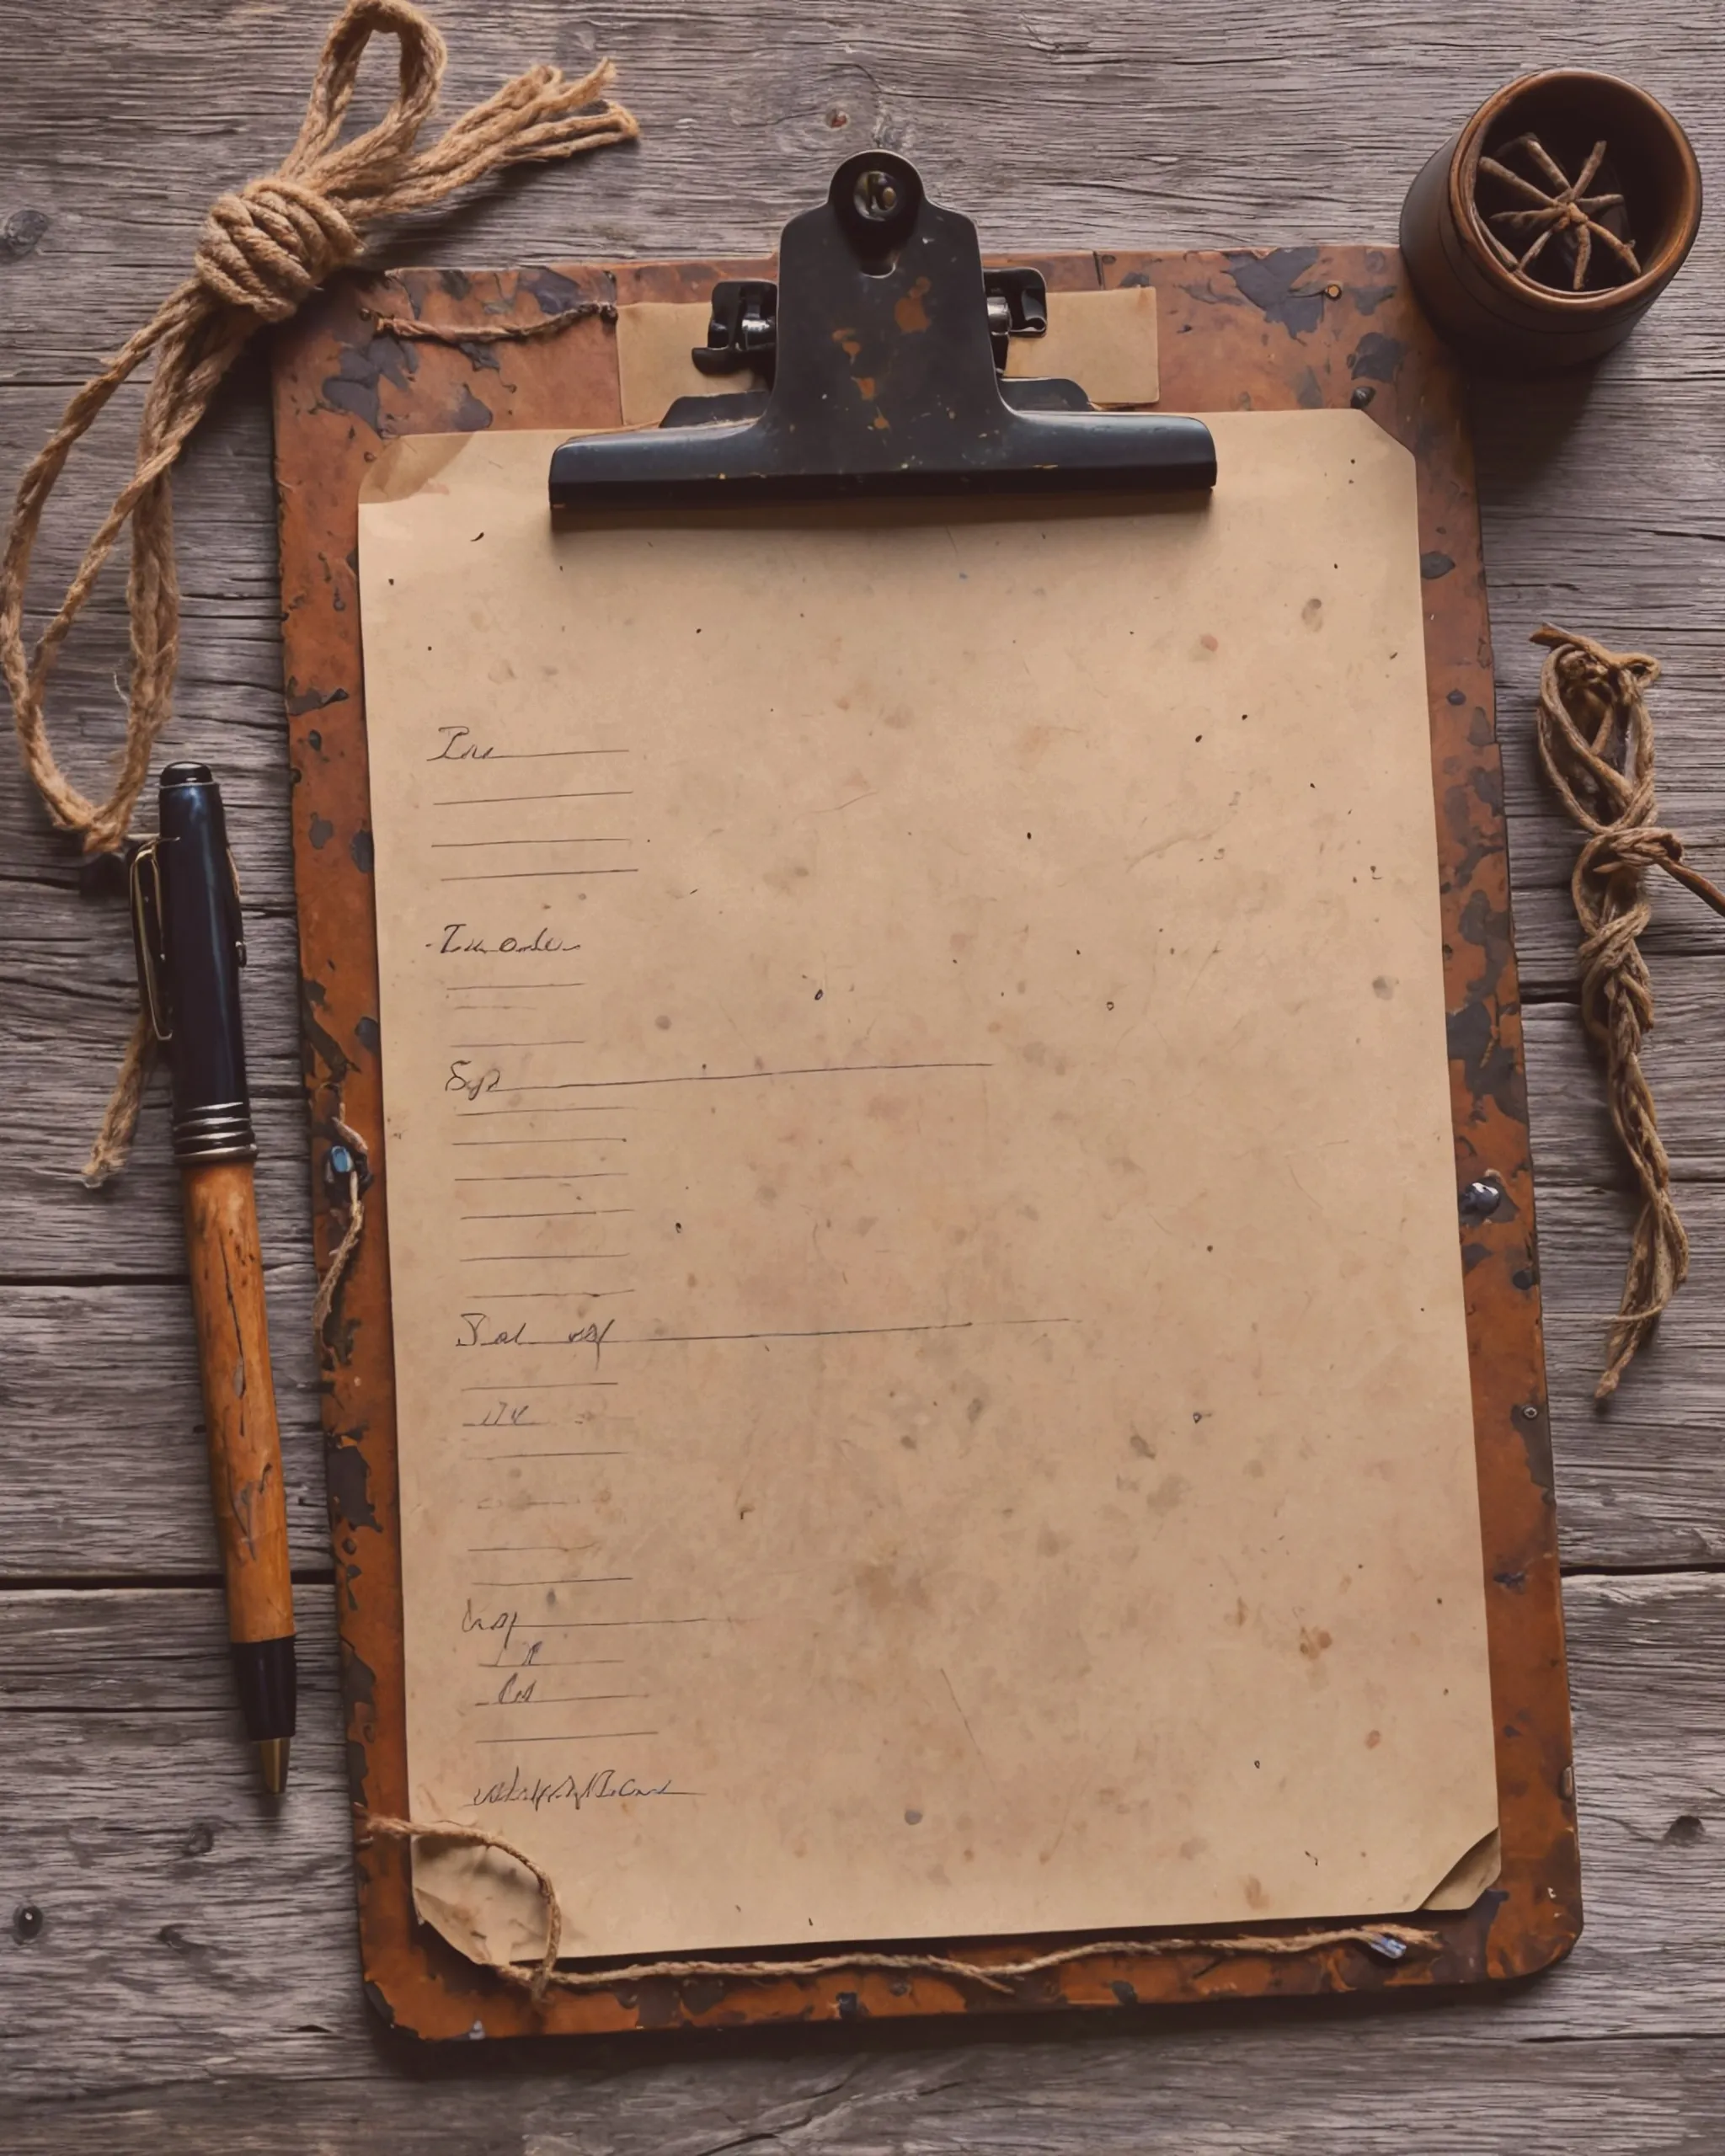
486 1905
1475 1870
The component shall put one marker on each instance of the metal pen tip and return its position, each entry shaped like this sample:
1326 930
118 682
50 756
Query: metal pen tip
272 1756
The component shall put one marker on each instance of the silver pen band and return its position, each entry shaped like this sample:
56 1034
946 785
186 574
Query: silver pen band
222 1132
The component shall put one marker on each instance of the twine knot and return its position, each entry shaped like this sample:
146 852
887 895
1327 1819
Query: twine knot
1636 848
1596 743
268 248
263 251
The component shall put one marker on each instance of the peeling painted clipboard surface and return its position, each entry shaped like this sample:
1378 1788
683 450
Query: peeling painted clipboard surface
1298 328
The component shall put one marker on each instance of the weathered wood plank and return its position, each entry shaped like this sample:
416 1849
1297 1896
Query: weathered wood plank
193 1941
1573 1142
1239 2090
1638 1481
64 1015
104 1432
1068 125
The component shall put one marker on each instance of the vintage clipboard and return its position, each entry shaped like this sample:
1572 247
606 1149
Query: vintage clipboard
385 356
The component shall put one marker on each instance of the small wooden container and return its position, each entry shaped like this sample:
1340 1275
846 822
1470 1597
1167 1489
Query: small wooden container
1511 320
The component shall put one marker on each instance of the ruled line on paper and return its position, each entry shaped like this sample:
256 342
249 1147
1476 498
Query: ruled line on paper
613 1454
554 1294
508 800
575 1662
583 1338
534 875
459 747
551 1175
599 1579
566 1385
525 755
580 1108
609 1140
560 1698
566 1212
593 1737
731 1077
831 1332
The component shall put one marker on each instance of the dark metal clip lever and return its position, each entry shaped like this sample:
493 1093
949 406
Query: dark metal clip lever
885 334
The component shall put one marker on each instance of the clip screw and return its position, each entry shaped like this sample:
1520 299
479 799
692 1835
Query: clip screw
342 1161
1480 1200
877 196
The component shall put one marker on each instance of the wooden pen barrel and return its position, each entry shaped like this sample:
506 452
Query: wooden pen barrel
239 1398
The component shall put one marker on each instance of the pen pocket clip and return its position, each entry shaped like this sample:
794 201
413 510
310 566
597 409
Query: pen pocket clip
146 936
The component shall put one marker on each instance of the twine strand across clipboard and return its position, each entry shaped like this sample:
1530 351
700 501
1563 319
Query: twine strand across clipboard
1391 1942
264 248
1596 743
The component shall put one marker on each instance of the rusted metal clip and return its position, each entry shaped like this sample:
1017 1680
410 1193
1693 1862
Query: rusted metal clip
884 336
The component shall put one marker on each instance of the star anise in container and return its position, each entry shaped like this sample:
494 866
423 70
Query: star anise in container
1548 227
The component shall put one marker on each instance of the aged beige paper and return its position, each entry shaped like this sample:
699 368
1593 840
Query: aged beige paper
1104 341
654 339
932 1394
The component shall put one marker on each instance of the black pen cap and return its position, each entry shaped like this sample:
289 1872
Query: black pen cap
204 949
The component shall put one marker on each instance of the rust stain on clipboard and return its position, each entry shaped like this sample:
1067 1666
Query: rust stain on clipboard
1238 331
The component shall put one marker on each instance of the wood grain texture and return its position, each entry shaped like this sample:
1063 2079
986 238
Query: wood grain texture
232 1320
216 2008
1235 2091
193 1935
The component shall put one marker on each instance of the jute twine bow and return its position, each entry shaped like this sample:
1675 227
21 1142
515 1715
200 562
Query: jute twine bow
1596 743
263 251
1391 1942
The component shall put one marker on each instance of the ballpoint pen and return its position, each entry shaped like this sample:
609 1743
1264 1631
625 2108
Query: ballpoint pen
190 947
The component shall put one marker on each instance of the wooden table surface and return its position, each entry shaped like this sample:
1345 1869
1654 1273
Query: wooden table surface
194 1985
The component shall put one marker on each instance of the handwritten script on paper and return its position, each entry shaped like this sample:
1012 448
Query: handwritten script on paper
932 1383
